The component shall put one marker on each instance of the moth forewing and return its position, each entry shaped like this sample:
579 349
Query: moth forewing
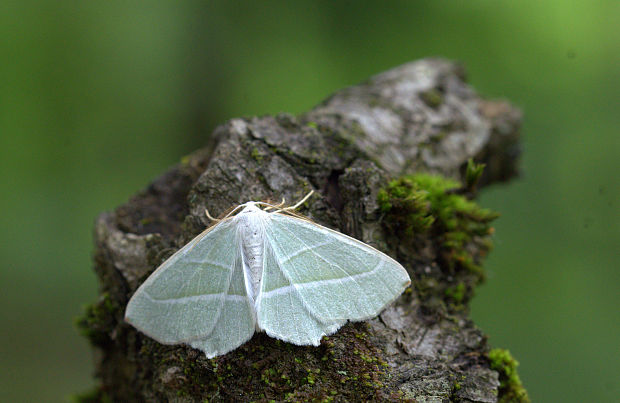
337 277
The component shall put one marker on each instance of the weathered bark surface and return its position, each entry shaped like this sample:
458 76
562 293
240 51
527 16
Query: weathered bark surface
417 117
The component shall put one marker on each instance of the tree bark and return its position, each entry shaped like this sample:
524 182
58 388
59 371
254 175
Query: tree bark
419 117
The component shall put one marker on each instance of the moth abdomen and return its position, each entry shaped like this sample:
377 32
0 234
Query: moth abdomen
252 235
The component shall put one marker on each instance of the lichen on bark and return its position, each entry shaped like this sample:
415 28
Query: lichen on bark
412 127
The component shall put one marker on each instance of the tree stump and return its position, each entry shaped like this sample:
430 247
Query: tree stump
388 161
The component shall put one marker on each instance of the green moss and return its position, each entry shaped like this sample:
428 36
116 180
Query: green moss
408 207
146 221
511 389
456 293
256 155
310 378
185 159
432 97
98 320
424 203
256 371
473 173
313 125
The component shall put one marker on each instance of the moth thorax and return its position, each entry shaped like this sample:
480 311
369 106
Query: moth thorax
252 236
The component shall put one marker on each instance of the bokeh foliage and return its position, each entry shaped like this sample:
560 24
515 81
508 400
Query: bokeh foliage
97 98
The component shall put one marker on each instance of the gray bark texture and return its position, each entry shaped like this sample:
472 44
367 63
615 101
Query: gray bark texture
418 117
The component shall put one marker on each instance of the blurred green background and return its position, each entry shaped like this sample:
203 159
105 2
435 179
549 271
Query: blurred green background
98 98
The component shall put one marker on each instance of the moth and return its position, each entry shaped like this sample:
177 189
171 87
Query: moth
263 269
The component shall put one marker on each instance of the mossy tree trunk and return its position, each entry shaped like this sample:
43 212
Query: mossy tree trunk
362 150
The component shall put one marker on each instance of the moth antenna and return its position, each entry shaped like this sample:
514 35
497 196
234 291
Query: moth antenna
270 206
299 203
211 218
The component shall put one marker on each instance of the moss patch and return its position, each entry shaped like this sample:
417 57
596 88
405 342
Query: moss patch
431 214
473 173
256 155
421 203
346 366
98 320
432 97
511 389
456 293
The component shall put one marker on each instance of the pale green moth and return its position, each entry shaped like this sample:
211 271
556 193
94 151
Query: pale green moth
262 270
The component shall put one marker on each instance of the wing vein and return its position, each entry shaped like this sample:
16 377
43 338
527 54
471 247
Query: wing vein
346 273
191 298
311 284
309 248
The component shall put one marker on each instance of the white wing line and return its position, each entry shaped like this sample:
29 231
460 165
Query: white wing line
321 258
360 246
191 298
291 286
360 262
311 284
230 297
328 231
294 319
204 264
347 275
309 248
208 263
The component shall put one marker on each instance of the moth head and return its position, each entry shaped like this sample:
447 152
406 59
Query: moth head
250 207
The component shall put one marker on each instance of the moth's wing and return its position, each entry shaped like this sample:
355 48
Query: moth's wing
237 320
191 295
281 312
336 276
